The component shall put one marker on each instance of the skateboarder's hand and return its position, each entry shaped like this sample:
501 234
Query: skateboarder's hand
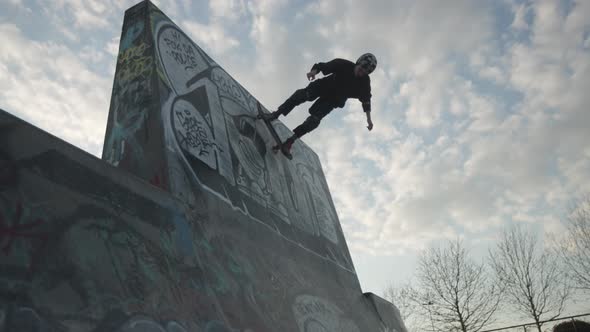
370 125
311 75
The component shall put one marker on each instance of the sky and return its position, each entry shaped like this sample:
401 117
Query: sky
480 107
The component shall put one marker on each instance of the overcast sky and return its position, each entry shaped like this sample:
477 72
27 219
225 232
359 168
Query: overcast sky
480 107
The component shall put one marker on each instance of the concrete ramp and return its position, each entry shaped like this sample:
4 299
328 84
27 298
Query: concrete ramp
189 223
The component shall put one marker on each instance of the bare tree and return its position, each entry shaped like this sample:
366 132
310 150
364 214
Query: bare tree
456 292
403 298
574 246
531 277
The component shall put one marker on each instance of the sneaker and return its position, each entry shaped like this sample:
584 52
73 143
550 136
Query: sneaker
269 116
286 148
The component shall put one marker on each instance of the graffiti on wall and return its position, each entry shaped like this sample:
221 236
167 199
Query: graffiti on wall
178 274
314 314
93 253
22 230
212 120
130 97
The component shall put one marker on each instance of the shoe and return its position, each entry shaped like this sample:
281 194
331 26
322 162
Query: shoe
269 116
286 148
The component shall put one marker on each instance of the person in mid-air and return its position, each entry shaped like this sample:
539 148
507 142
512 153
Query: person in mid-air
343 79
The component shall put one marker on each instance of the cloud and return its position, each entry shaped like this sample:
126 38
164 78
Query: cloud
50 86
84 14
228 10
112 47
459 158
521 11
75 19
19 4
394 185
214 38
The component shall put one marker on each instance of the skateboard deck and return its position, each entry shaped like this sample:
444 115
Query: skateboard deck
273 132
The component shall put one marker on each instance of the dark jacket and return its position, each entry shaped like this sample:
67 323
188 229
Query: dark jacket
342 84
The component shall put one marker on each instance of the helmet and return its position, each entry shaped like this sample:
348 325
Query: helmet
368 62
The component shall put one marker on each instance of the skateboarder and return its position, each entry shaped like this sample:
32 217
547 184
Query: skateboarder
346 80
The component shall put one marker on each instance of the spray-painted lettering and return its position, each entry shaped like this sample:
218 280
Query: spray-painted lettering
133 63
183 52
194 135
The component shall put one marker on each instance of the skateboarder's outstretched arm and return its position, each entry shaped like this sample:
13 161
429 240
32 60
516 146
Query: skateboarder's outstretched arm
365 99
326 68
369 122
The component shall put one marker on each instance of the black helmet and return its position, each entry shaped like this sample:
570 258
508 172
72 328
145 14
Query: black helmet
368 62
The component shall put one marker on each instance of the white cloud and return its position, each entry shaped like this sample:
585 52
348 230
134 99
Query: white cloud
51 87
112 47
92 55
495 162
20 5
85 14
230 10
213 38
520 16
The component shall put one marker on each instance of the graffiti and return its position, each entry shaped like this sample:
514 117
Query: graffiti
130 35
135 62
388 329
216 146
215 326
220 130
146 324
228 87
251 171
181 51
14 317
17 230
181 58
182 236
131 95
324 216
126 122
314 314
194 135
159 179
24 319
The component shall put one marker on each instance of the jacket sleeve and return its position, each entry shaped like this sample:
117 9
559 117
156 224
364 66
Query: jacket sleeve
365 96
330 67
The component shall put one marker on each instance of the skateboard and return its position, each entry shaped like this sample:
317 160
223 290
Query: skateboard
273 132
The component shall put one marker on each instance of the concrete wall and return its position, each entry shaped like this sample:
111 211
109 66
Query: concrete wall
188 224
88 247
82 243
191 129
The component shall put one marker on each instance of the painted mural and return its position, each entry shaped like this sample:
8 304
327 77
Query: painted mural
211 122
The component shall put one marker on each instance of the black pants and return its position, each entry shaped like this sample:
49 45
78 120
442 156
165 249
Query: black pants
322 106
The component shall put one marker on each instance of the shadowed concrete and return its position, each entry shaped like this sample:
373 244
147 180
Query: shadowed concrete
189 223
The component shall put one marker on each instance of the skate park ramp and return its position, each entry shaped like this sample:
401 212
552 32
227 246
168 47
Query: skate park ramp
189 222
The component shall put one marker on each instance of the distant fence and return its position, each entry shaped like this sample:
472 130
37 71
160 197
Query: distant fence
547 324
